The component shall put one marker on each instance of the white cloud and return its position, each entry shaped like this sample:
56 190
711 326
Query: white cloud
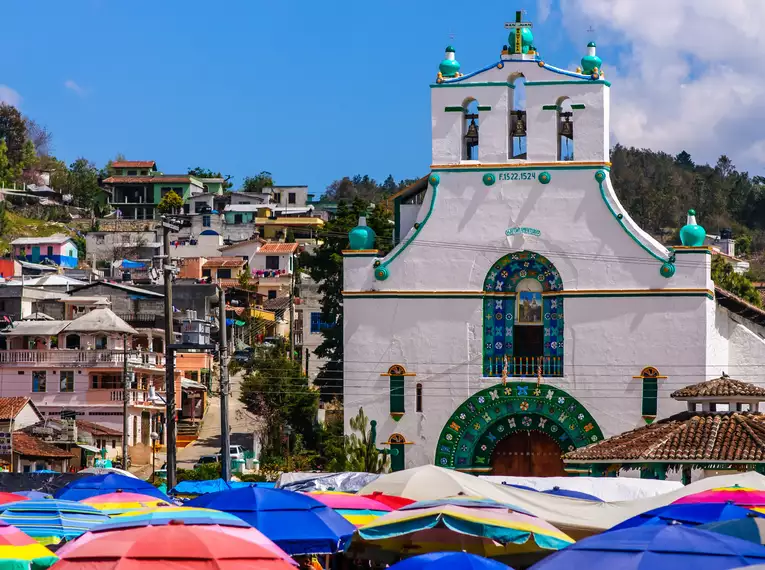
544 7
73 86
9 96
690 76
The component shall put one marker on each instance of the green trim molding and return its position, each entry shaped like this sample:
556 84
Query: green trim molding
550 108
578 106
477 84
667 268
484 107
470 435
455 109
518 166
568 294
381 272
581 82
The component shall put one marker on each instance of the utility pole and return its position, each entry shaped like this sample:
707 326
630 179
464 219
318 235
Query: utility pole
225 436
307 356
125 395
169 354
292 308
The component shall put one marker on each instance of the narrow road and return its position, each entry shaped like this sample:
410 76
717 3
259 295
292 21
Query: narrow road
242 425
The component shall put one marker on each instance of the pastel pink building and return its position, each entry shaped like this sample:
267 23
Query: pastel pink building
58 248
77 366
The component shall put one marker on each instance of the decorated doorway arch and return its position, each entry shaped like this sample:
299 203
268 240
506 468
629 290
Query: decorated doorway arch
483 420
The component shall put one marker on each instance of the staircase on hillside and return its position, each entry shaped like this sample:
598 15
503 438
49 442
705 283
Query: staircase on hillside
187 432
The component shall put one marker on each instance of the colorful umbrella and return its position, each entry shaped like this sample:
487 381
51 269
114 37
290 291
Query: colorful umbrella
390 500
691 514
741 496
50 521
450 560
464 501
750 527
492 532
173 545
36 495
85 487
121 502
558 492
160 516
19 551
656 547
357 510
11 498
299 524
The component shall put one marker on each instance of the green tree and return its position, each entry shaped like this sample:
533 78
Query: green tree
363 454
5 165
244 277
325 266
108 169
200 172
726 278
276 390
82 183
258 182
170 203
13 128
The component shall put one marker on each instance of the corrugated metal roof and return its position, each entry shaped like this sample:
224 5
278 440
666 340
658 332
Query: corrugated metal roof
55 238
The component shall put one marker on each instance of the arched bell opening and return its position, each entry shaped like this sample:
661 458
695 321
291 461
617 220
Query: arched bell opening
518 123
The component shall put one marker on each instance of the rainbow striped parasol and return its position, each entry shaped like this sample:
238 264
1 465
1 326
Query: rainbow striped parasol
19 551
357 510
741 496
120 502
49 521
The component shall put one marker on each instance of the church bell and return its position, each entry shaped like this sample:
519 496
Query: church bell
519 127
471 137
566 126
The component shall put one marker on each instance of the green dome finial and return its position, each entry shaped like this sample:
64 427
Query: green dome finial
362 236
449 67
692 234
591 61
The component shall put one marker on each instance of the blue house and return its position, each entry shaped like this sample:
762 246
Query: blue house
58 248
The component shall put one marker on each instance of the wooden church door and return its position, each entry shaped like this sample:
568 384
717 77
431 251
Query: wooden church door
527 454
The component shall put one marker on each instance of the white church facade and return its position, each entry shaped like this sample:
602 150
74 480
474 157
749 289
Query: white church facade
523 313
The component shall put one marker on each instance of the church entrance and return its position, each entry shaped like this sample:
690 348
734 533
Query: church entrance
527 454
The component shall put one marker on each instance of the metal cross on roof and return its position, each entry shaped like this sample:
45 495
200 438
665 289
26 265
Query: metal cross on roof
517 25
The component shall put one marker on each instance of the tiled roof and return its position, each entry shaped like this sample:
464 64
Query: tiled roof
30 446
276 304
10 407
134 164
689 436
97 429
240 243
271 248
159 179
738 306
224 262
723 386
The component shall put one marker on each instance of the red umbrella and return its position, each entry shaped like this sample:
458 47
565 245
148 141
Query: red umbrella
392 501
11 498
174 545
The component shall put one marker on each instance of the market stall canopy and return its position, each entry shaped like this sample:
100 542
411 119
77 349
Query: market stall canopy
690 514
49 521
102 484
19 551
450 560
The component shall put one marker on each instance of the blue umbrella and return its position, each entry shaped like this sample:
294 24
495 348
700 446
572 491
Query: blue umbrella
656 547
558 492
36 495
751 528
50 521
298 523
94 485
691 514
450 560
524 487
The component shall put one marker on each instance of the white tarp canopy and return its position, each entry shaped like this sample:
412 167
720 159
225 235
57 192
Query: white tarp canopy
575 517
604 488
100 320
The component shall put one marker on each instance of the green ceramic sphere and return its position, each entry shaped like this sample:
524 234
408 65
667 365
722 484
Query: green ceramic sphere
449 67
667 269
381 273
489 179
544 178
362 237
589 63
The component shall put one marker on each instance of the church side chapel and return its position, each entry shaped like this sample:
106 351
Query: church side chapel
523 314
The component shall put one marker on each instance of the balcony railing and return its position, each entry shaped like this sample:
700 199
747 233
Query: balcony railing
135 397
524 366
79 358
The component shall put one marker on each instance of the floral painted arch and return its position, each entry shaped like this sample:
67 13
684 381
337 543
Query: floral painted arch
483 420
511 269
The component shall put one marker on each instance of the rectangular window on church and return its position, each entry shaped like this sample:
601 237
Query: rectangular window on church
396 394
650 396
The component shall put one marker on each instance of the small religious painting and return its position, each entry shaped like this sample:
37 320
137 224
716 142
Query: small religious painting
530 307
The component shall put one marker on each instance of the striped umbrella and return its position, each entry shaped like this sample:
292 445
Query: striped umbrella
161 516
741 496
121 502
487 531
50 521
19 551
11 498
357 510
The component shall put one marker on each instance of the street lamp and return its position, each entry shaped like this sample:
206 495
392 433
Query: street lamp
154 438
288 433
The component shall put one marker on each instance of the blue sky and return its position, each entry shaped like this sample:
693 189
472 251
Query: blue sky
311 91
